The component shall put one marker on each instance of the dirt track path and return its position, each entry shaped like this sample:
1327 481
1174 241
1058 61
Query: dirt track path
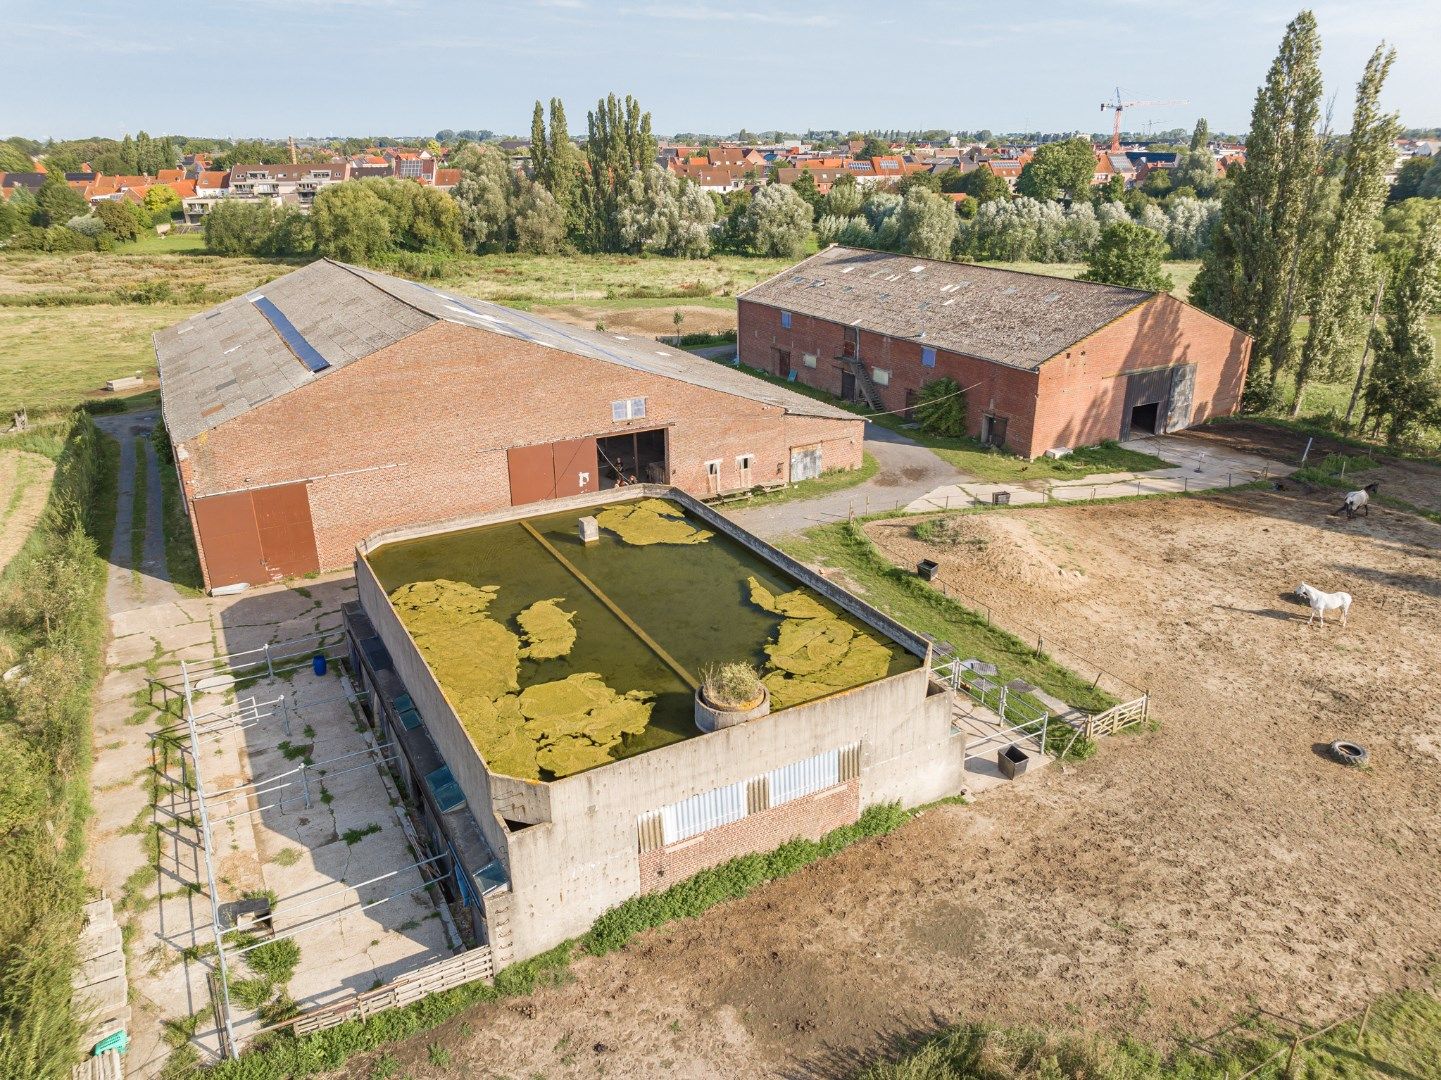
1159 888
28 475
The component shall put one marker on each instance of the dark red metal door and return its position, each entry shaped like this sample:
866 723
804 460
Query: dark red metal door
225 528
532 473
287 538
574 467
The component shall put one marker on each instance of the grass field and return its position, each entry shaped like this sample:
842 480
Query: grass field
1182 271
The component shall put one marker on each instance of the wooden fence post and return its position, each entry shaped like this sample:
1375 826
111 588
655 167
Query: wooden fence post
1291 1056
1365 1019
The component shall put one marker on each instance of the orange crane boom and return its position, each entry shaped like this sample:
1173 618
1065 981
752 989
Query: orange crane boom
1120 106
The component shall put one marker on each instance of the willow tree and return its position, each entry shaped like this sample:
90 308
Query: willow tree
1253 274
1346 270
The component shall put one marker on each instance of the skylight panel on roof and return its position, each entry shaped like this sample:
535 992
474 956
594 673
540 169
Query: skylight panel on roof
917 269
847 269
305 352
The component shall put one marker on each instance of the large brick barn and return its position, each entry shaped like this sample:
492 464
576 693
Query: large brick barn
1046 362
337 401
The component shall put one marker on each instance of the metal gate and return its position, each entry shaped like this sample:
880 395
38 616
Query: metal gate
552 470
1183 389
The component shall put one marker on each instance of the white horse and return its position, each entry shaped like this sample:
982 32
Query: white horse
1322 602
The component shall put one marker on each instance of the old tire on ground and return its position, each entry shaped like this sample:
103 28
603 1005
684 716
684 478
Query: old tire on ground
1349 753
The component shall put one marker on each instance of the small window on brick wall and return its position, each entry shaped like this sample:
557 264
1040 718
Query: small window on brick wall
809 359
928 358
881 376
628 409
785 320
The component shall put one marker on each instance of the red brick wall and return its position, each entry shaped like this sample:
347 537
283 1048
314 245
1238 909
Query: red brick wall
417 432
811 816
1076 399
993 388
1082 398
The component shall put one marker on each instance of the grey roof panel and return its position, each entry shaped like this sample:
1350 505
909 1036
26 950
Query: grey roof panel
218 364
1013 318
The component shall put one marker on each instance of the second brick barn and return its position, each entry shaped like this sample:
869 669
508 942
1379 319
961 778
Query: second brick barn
336 401
1047 362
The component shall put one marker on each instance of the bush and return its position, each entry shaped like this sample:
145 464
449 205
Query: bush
731 685
51 620
275 960
941 409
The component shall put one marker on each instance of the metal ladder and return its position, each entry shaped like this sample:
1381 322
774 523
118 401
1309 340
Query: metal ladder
864 384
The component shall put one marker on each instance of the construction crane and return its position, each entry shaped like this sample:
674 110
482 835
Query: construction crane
1120 106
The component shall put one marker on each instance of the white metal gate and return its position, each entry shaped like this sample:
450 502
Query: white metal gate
805 463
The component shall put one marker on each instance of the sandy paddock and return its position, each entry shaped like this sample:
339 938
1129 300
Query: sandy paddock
1182 873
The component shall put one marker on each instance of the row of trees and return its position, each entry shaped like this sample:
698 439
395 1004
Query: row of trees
1297 235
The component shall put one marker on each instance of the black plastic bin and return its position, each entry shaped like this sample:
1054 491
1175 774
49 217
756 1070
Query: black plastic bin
1013 761
927 569
1000 498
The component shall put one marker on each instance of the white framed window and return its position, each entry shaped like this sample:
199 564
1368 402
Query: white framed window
628 409
743 468
928 357
881 376
809 359
712 468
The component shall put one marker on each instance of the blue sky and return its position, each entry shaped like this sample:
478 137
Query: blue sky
315 67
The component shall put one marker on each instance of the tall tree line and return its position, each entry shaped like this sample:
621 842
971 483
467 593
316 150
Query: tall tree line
1297 233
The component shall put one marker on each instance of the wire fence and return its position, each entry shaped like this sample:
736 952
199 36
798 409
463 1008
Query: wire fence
1046 644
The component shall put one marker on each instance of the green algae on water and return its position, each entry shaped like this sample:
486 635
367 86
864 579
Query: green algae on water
651 521
559 727
549 631
451 627
817 651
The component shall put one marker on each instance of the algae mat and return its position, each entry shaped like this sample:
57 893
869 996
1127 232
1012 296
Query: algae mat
557 728
818 650
651 521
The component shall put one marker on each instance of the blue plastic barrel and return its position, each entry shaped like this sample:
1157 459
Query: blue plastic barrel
317 663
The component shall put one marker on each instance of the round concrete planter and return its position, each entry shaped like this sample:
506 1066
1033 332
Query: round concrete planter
709 717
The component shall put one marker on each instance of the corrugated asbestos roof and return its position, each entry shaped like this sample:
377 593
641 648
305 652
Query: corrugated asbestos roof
1003 315
225 361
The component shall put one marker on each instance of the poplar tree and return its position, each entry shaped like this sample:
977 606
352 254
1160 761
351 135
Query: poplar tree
1252 274
1405 388
1345 270
619 142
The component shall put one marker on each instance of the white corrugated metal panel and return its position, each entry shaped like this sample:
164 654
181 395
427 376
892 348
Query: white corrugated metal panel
707 810
803 777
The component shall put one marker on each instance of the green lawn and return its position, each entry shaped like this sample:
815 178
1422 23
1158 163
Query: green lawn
150 243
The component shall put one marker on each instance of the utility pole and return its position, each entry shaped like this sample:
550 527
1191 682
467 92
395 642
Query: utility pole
1365 351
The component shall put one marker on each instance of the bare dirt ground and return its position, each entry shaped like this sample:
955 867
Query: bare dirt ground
649 321
24 487
1219 863
1416 482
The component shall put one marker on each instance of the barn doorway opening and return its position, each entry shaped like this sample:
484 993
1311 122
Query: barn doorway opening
637 457
1145 418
